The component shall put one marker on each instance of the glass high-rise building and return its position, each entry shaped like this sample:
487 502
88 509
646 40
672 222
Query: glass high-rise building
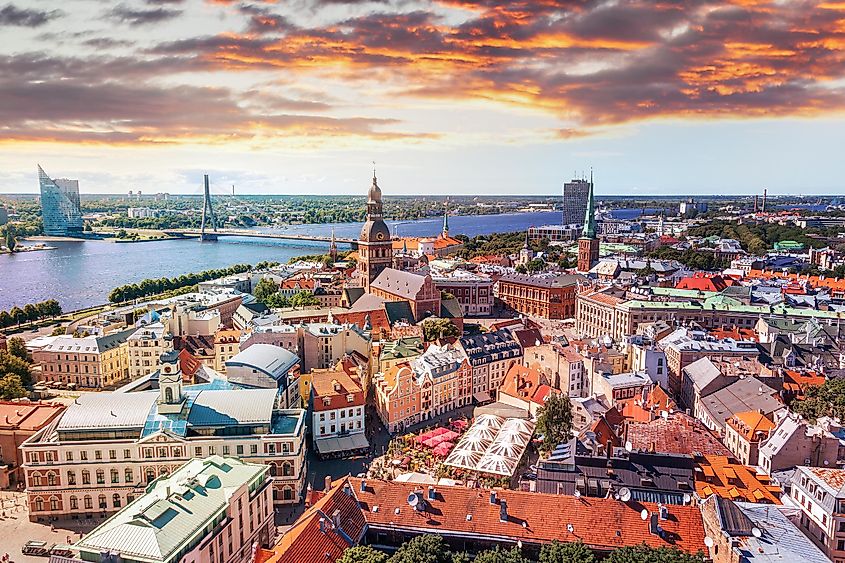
575 201
60 205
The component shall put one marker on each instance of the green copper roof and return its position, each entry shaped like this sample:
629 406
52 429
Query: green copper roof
446 220
590 216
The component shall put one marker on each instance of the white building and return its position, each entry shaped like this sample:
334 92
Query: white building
146 345
820 492
338 406
209 510
106 447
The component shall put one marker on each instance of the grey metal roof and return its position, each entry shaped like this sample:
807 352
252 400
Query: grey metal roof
174 512
273 360
91 411
220 408
747 394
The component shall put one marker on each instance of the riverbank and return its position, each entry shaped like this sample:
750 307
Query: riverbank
20 249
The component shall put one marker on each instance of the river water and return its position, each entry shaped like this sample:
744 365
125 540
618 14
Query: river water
81 274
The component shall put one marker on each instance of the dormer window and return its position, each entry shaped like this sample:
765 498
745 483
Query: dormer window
350 397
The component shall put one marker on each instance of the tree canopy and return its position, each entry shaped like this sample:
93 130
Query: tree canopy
424 549
554 420
362 554
498 555
264 289
435 329
558 552
827 399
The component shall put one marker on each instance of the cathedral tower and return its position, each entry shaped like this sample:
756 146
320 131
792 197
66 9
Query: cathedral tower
375 249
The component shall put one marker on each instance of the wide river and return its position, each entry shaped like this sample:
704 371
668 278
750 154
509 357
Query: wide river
81 274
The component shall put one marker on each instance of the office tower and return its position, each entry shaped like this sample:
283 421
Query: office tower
60 209
575 201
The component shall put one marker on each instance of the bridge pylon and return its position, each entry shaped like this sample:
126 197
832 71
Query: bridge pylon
207 214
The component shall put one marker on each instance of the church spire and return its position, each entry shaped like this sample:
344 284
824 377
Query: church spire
446 220
590 216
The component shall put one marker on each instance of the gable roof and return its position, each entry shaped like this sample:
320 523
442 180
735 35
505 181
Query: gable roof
398 282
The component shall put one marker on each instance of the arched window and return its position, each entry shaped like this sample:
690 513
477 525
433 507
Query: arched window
151 475
54 503
127 475
115 500
74 503
129 498
287 493
168 395
115 476
36 479
287 469
87 502
101 477
163 471
101 502
273 470
71 478
51 479
86 477
39 504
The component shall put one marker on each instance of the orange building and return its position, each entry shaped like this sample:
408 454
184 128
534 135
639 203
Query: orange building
549 297
19 422
398 397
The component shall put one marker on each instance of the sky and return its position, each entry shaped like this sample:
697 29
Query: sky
445 96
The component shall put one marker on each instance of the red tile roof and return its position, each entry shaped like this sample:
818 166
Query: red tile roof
304 542
705 282
334 387
723 476
678 433
189 364
27 416
602 524
833 477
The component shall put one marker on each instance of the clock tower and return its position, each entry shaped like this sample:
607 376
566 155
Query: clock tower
375 249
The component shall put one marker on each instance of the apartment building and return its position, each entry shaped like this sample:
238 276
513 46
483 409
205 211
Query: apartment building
562 365
490 354
397 397
146 345
19 421
213 509
472 290
100 453
820 492
321 345
226 346
89 362
338 405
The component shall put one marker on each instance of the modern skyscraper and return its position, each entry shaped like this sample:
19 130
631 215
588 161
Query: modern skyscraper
588 244
375 249
60 209
575 201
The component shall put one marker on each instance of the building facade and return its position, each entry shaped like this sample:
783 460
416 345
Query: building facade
19 422
820 492
209 510
338 406
491 355
473 291
546 296
146 345
60 208
107 447
91 362
588 244
575 194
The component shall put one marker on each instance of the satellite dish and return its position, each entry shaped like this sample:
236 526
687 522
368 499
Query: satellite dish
756 532
644 514
629 446
687 498
570 528
413 500
708 541
624 494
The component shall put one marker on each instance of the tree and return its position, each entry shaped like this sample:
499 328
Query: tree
31 312
534 266
521 269
554 420
646 554
500 556
362 554
10 237
423 549
17 347
58 331
18 315
558 552
435 329
304 299
12 365
11 387
6 319
827 399
264 289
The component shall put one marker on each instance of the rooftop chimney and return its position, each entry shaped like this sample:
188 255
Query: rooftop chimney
653 526
503 511
492 497
432 494
327 484
363 485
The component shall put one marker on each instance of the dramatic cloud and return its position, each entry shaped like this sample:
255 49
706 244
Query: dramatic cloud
25 17
137 17
584 65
